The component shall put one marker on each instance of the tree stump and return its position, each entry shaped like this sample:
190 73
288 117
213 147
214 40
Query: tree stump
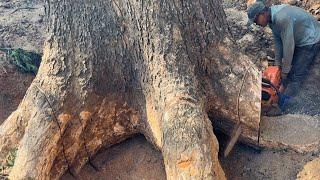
112 69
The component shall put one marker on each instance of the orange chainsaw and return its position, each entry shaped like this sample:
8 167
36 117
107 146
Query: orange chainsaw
271 83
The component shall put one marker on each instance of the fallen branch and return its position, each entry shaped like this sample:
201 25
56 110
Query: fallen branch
20 8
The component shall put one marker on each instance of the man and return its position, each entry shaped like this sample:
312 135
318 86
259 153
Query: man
297 40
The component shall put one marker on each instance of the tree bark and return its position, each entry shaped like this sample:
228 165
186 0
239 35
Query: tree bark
112 69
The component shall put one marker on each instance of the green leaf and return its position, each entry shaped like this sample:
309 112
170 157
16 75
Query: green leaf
11 157
26 61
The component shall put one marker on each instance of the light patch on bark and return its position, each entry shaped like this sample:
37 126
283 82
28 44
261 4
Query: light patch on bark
134 119
85 115
118 129
64 118
177 34
225 51
154 124
186 160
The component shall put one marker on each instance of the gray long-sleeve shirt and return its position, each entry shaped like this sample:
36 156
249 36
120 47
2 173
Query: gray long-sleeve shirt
291 26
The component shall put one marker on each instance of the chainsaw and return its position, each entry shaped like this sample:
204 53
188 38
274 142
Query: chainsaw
271 83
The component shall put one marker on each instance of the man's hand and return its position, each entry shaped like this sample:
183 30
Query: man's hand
284 76
284 80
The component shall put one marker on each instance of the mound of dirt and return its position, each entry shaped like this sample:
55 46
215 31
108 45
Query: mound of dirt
310 171
246 163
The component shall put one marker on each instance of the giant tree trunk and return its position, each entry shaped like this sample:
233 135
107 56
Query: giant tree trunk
112 69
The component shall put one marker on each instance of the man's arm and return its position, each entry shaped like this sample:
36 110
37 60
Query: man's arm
278 49
288 43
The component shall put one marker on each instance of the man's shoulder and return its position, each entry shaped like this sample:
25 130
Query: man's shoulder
278 13
289 14
283 14
282 17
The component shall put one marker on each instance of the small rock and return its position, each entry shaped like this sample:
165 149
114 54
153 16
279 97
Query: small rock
7 6
248 38
236 16
291 2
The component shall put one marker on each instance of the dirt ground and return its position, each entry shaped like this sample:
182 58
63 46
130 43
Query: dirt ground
307 101
13 86
136 159
22 25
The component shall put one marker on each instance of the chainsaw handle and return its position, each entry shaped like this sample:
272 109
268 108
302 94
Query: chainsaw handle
267 83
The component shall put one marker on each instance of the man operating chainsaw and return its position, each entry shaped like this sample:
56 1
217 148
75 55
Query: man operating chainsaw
297 41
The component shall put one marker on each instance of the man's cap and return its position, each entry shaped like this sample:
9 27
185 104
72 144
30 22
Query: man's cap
255 9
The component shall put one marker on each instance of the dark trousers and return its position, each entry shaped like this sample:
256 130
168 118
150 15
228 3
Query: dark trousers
301 62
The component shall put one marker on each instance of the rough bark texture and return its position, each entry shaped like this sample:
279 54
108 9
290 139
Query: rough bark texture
112 69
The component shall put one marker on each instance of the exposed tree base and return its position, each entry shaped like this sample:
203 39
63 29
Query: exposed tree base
130 67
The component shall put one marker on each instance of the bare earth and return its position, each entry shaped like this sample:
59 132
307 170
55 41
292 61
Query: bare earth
13 86
22 25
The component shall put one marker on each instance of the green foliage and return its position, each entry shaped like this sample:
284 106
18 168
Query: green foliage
11 157
26 61
8 164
